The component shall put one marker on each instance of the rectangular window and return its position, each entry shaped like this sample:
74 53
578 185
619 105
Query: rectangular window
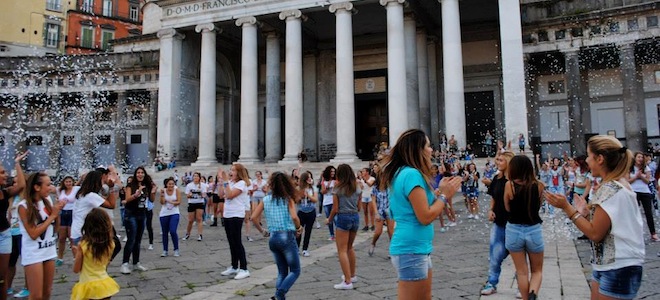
106 36
87 6
53 5
35 140
556 87
107 8
560 34
651 21
576 31
595 30
136 78
633 25
87 37
103 140
52 35
136 139
543 36
103 116
69 140
136 115
133 13
614 26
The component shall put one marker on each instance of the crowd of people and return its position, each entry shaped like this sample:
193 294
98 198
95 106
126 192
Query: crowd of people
405 190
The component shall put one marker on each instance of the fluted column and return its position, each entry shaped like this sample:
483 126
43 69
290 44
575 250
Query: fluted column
153 124
452 58
273 114
169 91
412 84
634 121
249 91
513 70
293 126
397 107
423 83
345 83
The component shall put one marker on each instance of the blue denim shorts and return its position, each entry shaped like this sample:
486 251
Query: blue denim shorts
366 199
620 283
520 238
347 222
66 217
412 267
5 241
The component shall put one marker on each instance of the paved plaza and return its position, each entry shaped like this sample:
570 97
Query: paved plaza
460 266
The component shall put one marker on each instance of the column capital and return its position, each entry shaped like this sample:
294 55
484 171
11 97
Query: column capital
207 27
344 6
169 33
291 14
570 51
387 2
249 21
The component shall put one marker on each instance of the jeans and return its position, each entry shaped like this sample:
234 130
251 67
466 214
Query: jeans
122 212
646 200
169 224
150 228
134 222
331 227
497 253
233 228
306 219
285 251
521 237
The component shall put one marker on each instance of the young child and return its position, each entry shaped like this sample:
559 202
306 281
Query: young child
92 257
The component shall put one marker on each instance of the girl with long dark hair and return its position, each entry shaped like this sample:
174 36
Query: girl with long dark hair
328 181
306 208
65 192
6 194
639 178
138 192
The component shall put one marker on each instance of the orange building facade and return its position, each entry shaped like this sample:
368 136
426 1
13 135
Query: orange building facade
92 24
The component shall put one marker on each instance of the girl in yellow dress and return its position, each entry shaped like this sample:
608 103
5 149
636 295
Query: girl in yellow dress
92 257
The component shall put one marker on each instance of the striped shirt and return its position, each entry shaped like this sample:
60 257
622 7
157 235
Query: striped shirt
277 214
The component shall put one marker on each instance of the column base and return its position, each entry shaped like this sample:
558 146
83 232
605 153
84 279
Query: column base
248 160
204 162
345 158
273 159
289 160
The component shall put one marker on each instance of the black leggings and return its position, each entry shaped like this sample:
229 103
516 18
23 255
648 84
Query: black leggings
307 220
150 228
233 228
646 200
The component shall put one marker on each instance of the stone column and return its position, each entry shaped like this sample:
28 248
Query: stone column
397 107
293 97
249 91
423 83
207 71
513 70
273 115
432 70
169 91
412 84
120 131
573 91
345 84
153 125
452 58
88 137
635 124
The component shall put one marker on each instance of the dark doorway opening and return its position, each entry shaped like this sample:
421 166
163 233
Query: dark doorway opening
371 124
480 117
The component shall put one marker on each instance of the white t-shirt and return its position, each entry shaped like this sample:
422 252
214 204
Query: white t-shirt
367 187
45 246
235 207
327 197
197 191
638 185
70 198
168 208
81 208
624 245
257 188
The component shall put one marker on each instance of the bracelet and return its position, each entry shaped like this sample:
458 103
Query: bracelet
575 216
443 198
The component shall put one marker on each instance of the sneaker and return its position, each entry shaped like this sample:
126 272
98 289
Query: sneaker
470 216
10 291
655 238
518 295
344 286
266 233
199 238
365 228
242 274
122 229
372 248
140 267
249 239
229 271
59 262
305 253
125 269
164 254
451 224
317 224
24 293
176 253
151 247
488 289
332 238
186 237
372 227
476 217
353 279
443 229
125 239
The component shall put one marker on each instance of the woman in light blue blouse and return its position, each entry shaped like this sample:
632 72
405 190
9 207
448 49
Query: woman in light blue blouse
413 206
284 226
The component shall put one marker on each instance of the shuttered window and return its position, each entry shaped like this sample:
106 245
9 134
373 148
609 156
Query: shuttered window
87 37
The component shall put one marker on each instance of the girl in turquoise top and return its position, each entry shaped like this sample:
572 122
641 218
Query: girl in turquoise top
413 206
